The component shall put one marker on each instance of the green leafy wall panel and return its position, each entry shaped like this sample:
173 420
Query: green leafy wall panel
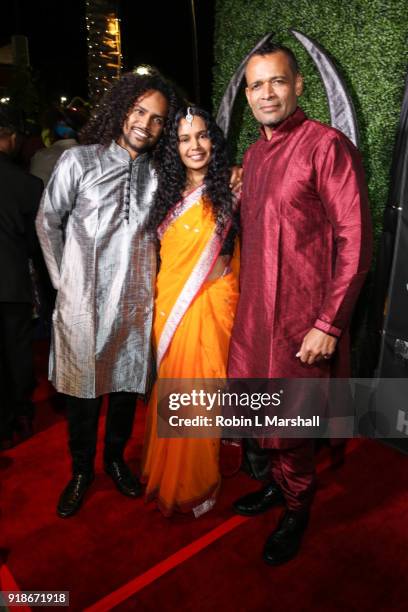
368 41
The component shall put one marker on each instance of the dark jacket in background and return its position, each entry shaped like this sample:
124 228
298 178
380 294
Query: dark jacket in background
20 194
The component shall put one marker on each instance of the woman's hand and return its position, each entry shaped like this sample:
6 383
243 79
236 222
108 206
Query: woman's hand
237 173
221 267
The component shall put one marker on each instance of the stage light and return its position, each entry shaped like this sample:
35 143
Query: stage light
143 69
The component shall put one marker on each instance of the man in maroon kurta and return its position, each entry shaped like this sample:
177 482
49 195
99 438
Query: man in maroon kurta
306 248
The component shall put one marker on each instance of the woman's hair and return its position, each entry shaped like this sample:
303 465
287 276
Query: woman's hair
107 122
172 173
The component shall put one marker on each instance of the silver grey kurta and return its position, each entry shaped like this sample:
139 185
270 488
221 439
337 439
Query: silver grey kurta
103 264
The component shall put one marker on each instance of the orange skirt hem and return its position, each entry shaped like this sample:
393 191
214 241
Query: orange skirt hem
181 508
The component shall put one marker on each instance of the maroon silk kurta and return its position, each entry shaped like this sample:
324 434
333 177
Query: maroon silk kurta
306 248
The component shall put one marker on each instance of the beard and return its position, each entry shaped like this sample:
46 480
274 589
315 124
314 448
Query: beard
150 143
273 124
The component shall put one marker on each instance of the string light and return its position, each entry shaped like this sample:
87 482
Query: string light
104 47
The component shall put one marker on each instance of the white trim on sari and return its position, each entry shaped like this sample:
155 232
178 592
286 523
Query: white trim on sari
197 277
179 209
204 507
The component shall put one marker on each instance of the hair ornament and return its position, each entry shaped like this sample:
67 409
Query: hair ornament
189 115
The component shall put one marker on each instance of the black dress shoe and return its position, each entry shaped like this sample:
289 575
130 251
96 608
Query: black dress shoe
259 501
283 544
123 478
72 496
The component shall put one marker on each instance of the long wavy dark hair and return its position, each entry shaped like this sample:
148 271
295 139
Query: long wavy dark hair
107 122
172 173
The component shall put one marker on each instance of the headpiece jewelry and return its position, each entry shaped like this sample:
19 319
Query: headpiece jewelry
189 116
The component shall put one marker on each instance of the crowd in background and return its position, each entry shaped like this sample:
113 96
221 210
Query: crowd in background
28 153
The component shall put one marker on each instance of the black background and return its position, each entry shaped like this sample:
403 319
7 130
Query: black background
152 32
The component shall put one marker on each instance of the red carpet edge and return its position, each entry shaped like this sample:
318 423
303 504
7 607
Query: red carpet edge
137 584
7 583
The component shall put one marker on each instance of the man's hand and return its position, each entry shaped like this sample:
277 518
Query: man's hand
316 345
236 179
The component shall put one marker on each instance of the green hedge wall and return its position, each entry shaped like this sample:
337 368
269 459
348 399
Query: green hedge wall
368 41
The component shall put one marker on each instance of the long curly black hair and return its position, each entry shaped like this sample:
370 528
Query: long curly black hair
107 122
171 173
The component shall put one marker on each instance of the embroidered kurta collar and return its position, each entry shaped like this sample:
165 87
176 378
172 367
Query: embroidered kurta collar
295 119
120 153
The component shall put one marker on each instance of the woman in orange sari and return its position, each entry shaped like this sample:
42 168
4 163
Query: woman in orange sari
196 297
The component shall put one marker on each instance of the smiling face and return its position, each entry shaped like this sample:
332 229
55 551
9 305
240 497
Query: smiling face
272 88
144 123
194 145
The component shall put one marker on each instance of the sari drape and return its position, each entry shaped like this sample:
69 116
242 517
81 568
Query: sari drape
192 327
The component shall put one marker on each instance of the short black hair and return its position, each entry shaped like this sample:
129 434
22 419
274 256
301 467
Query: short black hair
9 122
269 47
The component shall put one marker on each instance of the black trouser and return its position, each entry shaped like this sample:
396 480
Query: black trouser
83 416
16 364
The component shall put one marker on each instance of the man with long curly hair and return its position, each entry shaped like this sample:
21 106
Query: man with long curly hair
102 262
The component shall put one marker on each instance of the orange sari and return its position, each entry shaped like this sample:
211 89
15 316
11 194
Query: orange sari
191 332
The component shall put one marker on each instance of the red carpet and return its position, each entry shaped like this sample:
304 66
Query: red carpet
121 554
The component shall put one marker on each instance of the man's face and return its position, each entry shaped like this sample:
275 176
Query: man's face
144 123
272 88
9 142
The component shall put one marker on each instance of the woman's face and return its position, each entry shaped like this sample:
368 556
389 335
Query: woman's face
194 144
